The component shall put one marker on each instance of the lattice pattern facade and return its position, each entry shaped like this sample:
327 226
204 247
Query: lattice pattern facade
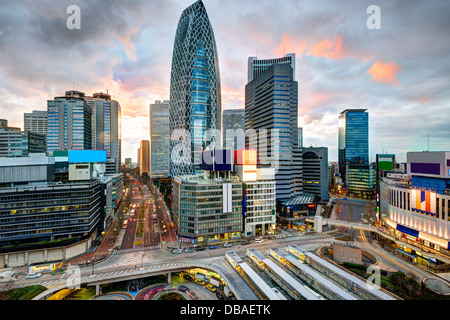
195 94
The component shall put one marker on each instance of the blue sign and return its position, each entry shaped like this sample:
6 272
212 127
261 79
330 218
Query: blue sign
87 156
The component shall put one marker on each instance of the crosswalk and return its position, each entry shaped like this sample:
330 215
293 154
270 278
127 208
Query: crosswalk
137 249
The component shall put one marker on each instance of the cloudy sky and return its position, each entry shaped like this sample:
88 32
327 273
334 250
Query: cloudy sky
400 73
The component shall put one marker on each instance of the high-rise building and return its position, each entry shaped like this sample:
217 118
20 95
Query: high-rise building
14 143
195 94
3 123
207 207
259 194
159 140
353 146
36 122
144 157
128 162
233 128
106 126
69 123
139 157
333 170
271 104
353 141
315 172
300 137
257 66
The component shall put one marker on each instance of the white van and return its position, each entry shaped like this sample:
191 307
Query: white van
33 276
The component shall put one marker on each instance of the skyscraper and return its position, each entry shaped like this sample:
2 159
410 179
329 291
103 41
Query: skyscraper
69 123
257 66
271 103
353 144
159 140
353 139
195 95
234 122
107 128
315 171
144 157
35 122
15 143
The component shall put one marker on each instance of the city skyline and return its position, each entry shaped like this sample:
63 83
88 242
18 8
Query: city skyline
339 66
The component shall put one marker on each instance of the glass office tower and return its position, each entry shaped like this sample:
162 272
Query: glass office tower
354 164
353 139
107 128
271 103
159 139
195 98
69 123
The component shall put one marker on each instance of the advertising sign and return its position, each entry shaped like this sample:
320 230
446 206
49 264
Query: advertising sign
423 201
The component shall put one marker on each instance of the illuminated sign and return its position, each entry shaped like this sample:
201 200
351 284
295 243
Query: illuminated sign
423 201
245 157
87 156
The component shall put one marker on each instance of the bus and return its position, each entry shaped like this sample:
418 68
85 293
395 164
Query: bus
125 224
154 218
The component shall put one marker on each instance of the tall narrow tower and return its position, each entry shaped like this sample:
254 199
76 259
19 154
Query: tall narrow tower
195 96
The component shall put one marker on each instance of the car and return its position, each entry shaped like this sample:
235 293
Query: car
213 246
227 245
200 248
245 242
183 288
211 288
199 281
187 277
33 276
177 251
258 241
188 250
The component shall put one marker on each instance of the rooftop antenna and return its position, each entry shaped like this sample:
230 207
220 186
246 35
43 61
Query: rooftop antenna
428 142
73 86
257 53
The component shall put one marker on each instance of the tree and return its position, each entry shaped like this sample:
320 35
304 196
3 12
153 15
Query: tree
398 279
412 286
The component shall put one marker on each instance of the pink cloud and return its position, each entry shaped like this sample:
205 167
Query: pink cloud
330 49
385 72
290 44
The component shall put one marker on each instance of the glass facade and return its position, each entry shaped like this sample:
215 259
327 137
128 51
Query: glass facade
234 129
271 103
106 127
353 139
15 144
198 208
46 213
195 98
69 124
159 140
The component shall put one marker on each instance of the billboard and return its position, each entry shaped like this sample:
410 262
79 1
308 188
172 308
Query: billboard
423 201
87 156
385 164
216 160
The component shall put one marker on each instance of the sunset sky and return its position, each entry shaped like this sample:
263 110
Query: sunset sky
400 73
